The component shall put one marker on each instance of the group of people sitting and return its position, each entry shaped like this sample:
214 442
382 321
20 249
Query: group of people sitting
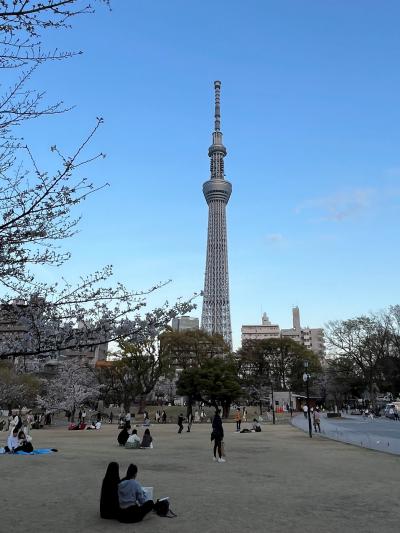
130 439
255 428
123 499
18 441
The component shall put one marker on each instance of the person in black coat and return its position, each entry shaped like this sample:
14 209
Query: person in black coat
109 504
123 436
217 436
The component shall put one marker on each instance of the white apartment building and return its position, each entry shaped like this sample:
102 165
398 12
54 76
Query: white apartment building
311 338
264 331
184 323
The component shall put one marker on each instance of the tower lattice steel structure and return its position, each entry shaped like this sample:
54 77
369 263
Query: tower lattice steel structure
216 315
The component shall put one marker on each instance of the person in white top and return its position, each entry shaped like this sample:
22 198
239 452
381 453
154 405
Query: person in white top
305 410
12 442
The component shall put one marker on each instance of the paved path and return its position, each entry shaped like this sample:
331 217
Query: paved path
277 481
380 434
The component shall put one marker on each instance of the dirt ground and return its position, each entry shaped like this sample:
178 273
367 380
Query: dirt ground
275 481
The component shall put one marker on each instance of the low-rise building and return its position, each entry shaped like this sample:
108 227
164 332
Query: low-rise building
184 323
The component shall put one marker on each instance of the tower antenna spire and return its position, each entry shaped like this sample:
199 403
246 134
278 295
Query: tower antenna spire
216 314
217 87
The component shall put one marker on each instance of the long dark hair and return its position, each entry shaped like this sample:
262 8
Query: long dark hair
109 492
112 473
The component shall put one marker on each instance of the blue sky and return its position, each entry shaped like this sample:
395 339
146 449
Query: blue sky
310 116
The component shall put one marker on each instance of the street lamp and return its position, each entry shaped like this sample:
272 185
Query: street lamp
273 403
306 378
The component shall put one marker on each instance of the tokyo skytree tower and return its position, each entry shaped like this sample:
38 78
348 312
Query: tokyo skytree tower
216 315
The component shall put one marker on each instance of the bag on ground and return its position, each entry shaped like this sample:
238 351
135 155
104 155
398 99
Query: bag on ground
162 508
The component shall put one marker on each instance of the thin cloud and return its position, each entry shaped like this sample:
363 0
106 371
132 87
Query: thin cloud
274 238
340 206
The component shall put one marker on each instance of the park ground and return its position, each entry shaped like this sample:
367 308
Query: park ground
275 481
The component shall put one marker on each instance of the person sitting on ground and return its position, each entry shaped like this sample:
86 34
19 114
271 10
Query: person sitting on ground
147 441
256 425
109 503
77 426
97 425
12 442
133 440
123 436
24 443
132 499
146 421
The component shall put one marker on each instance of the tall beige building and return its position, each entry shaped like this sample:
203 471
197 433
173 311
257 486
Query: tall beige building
311 338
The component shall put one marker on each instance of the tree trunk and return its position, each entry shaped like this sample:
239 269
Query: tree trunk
142 405
189 407
226 407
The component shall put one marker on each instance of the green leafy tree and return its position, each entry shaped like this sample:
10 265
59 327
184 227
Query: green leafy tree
216 382
192 347
138 367
276 362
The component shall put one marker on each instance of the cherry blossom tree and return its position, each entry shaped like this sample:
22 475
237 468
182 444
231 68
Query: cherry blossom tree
73 387
36 211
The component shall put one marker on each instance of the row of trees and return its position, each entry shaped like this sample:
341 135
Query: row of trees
365 356
364 360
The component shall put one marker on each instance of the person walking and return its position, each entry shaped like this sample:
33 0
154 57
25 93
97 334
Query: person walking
164 417
238 418
180 423
83 416
305 410
110 418
317 420
217 436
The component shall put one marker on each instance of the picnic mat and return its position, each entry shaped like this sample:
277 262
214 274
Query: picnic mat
39 451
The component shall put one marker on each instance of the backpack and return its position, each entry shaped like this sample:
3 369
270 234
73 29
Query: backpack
162 508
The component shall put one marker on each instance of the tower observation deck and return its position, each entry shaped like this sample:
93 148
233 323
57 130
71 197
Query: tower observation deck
216 316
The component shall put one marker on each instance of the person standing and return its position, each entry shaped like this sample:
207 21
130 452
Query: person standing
110 418
244 414
164 417
28 423
190 422
80 416
83 416
180 423
305 410
217 436
238 418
